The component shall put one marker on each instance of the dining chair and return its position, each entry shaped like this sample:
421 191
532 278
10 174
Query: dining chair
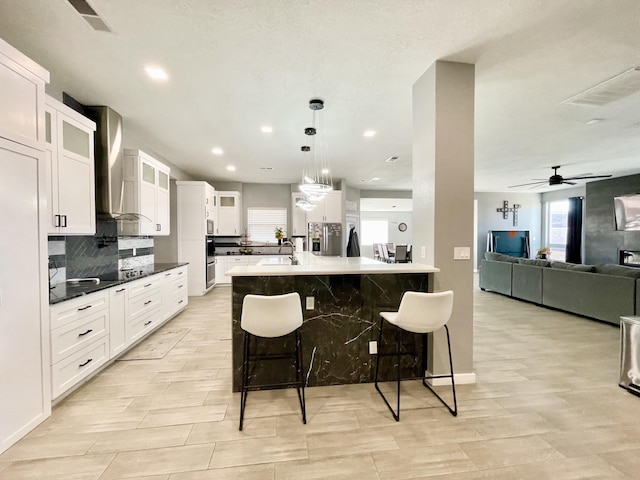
420 313
270 317
384 253
401 254
376 251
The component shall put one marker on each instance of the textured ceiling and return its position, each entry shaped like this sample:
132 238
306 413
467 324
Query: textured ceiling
235 65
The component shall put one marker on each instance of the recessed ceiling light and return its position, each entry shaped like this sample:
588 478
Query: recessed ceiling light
325 171
594 121
266 129
156 73
369 133
375 179
217 151
231 168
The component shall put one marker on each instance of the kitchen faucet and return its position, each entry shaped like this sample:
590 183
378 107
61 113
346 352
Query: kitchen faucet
294 260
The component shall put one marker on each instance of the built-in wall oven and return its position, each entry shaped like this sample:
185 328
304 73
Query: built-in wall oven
211 261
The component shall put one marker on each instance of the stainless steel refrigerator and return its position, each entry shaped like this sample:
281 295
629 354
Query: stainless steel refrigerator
325 239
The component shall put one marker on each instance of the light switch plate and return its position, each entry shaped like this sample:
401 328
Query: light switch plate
461 253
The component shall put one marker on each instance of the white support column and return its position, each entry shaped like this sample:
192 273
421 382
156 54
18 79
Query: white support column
443 182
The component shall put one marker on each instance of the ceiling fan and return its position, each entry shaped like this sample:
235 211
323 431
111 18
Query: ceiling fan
556 179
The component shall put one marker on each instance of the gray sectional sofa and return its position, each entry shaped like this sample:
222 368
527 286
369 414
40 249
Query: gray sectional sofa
603 292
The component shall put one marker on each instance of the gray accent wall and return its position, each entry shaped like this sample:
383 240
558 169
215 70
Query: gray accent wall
529 217
602 241
266 195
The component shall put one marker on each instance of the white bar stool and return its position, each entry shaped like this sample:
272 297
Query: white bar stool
421 313
270 317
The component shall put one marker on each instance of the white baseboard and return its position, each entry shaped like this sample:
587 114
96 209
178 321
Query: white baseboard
460 378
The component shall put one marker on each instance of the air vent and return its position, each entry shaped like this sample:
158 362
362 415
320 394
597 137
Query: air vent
393 159
90 16
266 168
615 88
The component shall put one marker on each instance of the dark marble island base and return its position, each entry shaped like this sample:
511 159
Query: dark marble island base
337 332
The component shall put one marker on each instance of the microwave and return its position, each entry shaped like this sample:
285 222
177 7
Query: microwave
210 230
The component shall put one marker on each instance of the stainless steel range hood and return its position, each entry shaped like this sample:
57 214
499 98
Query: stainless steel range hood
109 158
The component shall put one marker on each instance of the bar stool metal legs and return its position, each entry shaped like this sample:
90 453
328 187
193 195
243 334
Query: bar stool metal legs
398 355
296 355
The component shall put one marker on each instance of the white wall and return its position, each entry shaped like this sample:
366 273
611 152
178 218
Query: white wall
395 235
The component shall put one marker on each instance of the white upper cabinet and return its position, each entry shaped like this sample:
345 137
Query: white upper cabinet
21 97
229 214
298 216
69 139
328 210
146 192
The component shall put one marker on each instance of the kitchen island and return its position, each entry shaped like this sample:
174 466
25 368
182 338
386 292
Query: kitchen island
347 295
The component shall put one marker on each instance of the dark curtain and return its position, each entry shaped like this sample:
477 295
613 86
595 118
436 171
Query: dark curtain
574 231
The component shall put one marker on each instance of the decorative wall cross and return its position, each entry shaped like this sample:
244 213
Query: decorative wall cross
505 211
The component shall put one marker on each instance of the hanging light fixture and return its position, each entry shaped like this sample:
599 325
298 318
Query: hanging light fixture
316 174
306 158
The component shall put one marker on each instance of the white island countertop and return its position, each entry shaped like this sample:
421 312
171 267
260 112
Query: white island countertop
316 265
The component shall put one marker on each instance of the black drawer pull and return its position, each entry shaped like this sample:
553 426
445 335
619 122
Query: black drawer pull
180 286
121 290
83 334
84 308
167 274
180 302
148 285
180 273
147 302
86 363
147 323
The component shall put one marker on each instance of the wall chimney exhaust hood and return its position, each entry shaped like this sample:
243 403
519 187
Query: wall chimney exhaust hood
109 158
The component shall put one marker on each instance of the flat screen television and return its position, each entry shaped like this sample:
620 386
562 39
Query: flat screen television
627 212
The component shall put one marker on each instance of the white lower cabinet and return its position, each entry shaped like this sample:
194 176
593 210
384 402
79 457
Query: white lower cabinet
118 303
88 331
145 307
79 340
175 292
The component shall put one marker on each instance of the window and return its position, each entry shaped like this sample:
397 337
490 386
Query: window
557 228
262 223
374 231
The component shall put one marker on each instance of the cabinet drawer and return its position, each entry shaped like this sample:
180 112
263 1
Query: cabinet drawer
140 305
137 328
144 286
72 337
72 310
68 372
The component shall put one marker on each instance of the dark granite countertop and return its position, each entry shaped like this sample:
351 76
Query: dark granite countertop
66 291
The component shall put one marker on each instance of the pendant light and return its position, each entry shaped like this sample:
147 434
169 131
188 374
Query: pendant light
316 174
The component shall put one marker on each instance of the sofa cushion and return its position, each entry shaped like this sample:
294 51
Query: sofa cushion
534 262
576 267
618 271
500 257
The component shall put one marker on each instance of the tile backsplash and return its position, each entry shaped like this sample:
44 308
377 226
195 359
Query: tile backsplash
99 255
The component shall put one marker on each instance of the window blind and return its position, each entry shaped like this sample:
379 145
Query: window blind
262 223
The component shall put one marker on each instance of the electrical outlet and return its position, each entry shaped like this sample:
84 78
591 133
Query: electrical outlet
310 303
373 347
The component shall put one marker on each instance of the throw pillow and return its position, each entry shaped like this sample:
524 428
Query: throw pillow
534 262
618 271
577 267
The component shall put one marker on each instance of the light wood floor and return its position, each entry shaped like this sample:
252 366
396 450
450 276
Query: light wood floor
546 405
